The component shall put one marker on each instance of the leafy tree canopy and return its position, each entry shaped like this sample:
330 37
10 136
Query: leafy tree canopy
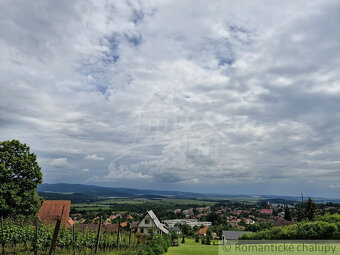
20 175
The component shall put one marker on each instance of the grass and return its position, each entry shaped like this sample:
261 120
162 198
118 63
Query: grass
192 248
110 203
186 201
90 207
123 201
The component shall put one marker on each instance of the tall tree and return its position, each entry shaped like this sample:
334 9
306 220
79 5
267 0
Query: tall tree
288 215
299 211
20 175
310 209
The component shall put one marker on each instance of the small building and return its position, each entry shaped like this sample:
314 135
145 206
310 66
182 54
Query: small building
110 228
176 229
190 222
280 222
151 225
53 210
267 211
202 231
232 235
234 223
249 222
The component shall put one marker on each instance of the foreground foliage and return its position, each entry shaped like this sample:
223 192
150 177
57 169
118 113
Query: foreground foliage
23 239
325 227
20 175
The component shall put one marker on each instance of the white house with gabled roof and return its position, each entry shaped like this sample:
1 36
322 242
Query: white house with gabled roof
150 224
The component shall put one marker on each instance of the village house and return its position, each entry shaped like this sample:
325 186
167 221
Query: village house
232 235
190 222
177 211
175 229
249 221
202 231
151 225
52 210
110 228
233 223
267 211
203 209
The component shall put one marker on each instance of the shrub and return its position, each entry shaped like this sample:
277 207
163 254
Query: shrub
302 230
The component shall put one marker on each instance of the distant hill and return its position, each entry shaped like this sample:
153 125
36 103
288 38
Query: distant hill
83 192
97 191
76 198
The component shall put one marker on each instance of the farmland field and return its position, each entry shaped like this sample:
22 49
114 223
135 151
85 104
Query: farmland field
124 204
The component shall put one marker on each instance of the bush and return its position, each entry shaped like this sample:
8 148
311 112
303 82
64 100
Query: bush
208 242
303 230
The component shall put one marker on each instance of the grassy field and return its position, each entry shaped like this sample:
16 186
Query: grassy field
186 201
114 202
192 248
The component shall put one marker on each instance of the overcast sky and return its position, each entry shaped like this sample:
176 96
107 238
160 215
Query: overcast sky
206 96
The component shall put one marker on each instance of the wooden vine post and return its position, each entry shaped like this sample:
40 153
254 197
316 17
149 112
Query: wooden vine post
98 236
2 236
55 234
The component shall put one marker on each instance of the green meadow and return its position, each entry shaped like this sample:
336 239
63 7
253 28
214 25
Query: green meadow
192 248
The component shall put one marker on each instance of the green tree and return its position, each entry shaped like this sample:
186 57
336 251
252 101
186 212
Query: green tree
310 209
20 175
187 230
288 215
299 211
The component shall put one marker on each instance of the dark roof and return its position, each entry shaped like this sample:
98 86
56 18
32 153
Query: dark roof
279 222
134 224
94 227
175 228
51 211
104 227
233 235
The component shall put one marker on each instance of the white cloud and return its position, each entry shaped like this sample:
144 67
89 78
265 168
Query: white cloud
93 157
85 170
225 92
59 162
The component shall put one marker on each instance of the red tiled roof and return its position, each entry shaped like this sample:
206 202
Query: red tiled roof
51 211
202 231
267 211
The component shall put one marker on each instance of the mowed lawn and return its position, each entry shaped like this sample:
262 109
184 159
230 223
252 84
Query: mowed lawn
192 248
